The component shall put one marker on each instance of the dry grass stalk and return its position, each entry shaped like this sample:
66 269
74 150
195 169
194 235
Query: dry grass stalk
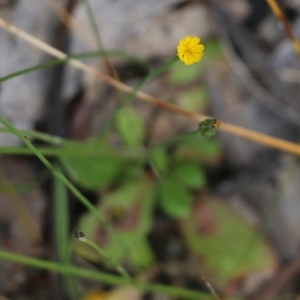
251 135
280 15
70 22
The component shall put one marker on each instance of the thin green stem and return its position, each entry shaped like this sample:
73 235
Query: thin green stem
133 154
61 220
61 233
54 62
60 176
148 77
51 139
131 96
50 63
130 153
94 26
103 277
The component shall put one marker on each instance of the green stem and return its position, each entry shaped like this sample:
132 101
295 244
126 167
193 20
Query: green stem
61 230
60 176
103 277
94 26
76 56
148 77
131 96
51 139
133 154
50 64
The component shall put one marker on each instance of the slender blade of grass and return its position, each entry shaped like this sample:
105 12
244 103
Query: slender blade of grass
61 233
61 177
103 277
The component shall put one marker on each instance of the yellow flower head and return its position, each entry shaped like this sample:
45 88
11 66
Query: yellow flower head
190 50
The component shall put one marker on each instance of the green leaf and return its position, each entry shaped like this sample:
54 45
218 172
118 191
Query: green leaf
227 246
160 159
138 252
135 199
130 126
93 171
190 174
142 255
129 210
175 200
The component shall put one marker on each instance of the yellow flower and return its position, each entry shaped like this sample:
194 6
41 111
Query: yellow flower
190 50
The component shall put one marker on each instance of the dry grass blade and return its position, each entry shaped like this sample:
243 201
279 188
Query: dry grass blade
210 288
76 27
229 128
280 15
70 22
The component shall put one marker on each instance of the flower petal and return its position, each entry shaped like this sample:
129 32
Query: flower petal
195 41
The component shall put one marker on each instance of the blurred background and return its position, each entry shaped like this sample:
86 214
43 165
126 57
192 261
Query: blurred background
184 210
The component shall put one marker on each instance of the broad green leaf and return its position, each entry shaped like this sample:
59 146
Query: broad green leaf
160 159
135 199
130 126
135 249
93 171
190 174
129 209
174 198
227 246
141 255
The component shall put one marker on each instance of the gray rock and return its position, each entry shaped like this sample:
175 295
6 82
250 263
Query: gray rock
21 98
